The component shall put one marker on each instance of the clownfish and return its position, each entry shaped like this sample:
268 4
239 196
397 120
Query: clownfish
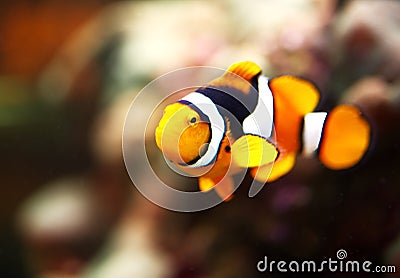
245 120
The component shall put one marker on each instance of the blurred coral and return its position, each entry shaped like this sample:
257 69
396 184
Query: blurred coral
367 45
33 32
68 74
61 226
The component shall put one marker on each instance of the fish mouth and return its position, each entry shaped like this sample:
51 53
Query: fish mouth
171 151
158 137
168 143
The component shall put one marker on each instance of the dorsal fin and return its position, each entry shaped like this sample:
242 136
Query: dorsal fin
294 97
246 69
242 76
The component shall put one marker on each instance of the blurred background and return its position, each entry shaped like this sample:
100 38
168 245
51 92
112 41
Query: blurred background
68 73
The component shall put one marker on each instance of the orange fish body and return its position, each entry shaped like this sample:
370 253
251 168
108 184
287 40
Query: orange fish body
228 125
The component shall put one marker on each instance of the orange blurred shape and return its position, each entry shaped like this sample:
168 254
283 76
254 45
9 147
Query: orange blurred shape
31 32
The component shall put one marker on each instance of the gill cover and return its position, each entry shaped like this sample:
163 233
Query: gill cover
181 134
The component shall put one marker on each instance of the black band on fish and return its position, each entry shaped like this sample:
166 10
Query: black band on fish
232 100
203 117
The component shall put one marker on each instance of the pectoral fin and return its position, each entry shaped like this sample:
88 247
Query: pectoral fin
253 151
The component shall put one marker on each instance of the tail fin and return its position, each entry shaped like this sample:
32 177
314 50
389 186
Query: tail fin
345 138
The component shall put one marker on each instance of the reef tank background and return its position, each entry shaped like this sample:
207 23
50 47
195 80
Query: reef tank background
68 73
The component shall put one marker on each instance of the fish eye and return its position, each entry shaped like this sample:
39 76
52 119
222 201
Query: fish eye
193 120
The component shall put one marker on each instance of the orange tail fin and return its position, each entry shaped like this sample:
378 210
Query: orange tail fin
345 139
